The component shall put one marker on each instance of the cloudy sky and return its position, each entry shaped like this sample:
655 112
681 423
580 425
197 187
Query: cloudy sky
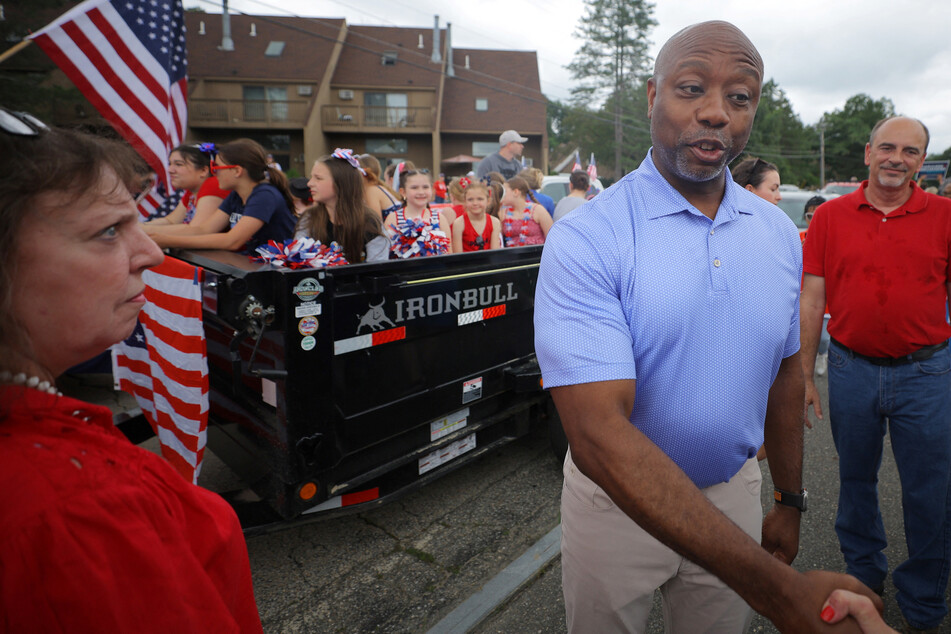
820 52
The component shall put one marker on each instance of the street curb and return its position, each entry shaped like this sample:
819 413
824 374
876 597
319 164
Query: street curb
473 610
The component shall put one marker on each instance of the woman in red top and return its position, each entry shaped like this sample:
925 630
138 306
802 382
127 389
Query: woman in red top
476 230
96 535
189 168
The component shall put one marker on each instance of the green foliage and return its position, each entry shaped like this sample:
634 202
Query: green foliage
612 58
778 136
592 129
846 133
614 33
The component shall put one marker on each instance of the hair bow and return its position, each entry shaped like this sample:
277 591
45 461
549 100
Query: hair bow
207 148
396 175
464 182
346 154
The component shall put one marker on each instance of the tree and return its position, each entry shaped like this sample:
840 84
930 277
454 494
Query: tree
592 129
846 133
614 54
778 136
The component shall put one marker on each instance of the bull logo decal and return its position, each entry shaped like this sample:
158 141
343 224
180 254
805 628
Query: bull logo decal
374 318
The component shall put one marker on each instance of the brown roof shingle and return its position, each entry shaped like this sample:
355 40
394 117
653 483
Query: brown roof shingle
308 46
361 64
508 79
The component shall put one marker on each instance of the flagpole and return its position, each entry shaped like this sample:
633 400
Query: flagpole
13 50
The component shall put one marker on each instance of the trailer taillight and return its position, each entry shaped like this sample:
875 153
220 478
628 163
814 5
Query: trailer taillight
307 491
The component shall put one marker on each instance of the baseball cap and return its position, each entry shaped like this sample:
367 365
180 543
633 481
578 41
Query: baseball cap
299 188
511 135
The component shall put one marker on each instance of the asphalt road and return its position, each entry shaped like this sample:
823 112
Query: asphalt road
405 566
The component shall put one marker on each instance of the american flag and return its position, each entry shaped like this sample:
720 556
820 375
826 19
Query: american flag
157 203
592 167
128 59
164 363
577 165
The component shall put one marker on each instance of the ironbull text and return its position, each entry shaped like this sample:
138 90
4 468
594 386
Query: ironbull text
469 299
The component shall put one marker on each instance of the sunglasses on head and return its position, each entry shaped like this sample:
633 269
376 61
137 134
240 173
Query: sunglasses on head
21 123
414 172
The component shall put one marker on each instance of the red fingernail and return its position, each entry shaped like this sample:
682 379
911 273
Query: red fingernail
827 613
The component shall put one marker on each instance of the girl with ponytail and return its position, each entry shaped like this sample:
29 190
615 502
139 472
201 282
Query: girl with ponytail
258 209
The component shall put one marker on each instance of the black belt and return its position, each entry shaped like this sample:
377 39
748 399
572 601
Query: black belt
918 355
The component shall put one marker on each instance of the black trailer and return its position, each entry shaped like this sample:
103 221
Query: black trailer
335 389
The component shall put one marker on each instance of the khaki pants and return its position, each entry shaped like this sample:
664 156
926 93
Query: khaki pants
611 566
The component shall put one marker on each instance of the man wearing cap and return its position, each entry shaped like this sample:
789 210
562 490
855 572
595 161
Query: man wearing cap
881 258
506 161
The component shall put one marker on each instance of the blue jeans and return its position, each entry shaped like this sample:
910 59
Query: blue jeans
915 399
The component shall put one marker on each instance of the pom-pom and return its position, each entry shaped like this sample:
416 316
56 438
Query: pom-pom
300 253
416 238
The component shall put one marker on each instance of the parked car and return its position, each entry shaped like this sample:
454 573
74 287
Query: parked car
794 203
840 188
556 186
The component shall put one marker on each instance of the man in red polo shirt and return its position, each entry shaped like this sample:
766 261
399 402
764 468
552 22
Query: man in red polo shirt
880 257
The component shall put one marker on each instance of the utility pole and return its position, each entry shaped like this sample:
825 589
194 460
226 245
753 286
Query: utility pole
822 154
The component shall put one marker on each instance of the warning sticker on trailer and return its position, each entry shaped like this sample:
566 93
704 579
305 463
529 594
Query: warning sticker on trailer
307 309
449 424
472 390
447 453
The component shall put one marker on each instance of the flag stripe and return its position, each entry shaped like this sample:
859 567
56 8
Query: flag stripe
164 363
128 59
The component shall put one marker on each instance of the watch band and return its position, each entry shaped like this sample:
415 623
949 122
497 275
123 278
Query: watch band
788 498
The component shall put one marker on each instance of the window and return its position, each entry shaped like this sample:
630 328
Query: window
389 58
387 146
385 109
484 148
265 103
274 49
482 105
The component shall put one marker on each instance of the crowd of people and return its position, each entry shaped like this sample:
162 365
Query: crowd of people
236 198
662 489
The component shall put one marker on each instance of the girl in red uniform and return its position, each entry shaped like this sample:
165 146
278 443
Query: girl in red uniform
477 230
189 167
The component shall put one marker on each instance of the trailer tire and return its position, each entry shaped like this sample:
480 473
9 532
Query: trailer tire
556 434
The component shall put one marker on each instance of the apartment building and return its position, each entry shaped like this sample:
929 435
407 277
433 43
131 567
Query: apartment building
303 86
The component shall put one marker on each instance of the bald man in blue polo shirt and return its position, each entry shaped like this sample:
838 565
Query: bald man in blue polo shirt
667 328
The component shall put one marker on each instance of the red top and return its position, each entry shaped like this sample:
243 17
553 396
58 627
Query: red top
97 535
469 235
208 188
885 276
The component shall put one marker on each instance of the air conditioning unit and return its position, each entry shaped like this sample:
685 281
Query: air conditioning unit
305 91
345 95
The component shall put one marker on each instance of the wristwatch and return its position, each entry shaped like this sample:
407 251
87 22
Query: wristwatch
788 498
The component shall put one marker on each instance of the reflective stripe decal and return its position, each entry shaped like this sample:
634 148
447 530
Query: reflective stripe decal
481 314
360 342
347 499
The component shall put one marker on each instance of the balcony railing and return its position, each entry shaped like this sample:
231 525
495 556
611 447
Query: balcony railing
247 113
368 118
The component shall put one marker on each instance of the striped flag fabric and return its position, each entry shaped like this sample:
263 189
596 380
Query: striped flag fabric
127 57
164 363
592 167
157 203
577 165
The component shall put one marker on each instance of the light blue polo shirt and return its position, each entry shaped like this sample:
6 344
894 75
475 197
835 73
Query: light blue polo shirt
638 284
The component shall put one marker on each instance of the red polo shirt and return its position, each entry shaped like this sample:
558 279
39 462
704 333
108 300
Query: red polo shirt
885 275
